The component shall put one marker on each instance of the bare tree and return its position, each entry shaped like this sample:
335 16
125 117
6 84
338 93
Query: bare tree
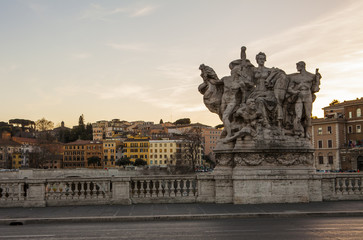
44 125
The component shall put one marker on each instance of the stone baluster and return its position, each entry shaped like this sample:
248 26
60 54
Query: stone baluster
102 190
147 189
158 188
62 189
344 182
88 190
178 188
356 186
58 191
195 188
182 184
169 186
337 186
80 190
350 186
153 188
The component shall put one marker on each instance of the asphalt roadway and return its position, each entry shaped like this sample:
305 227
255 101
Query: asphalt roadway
171 212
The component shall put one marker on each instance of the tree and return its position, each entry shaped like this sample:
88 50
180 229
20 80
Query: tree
140 162
182 121
94 160
161 121
124 161
81 121
189 155
44 125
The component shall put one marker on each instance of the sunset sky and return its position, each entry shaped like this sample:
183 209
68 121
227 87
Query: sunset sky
138 60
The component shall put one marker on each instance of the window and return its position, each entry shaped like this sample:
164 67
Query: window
329 130
320 144
350 129
151 161
359 112
330 159
320 130
350 115
358 128
330 143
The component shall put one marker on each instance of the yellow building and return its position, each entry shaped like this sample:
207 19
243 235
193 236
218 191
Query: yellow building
16 160
110 152
137 147
163 152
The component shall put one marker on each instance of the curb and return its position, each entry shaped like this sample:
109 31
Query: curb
23 221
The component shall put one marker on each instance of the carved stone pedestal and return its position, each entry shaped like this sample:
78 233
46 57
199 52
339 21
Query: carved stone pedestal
267 176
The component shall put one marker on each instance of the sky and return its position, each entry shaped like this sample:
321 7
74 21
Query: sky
138 60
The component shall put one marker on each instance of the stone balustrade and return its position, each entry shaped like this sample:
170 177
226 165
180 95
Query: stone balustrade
164 189
12 193
203 188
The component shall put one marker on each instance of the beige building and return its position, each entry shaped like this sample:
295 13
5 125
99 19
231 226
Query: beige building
163 152
338 138
210 137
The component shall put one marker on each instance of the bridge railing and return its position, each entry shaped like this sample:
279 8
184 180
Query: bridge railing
12 193
148 189
156 189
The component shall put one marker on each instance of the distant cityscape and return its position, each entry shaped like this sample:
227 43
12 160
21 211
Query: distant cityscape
337 139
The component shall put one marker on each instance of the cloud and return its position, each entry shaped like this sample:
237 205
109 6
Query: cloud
143 11
100 13
97 12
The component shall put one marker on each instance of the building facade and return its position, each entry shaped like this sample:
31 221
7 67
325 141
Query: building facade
76 153
136 147
338 138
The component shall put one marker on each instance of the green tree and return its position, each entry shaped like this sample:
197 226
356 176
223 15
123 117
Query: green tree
124 161
140 162
182 121
94 160
161 121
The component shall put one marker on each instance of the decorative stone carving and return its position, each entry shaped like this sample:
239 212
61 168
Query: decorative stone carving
261 107
225 159
273 159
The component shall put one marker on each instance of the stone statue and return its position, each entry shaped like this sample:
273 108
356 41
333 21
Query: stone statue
261 106
302 86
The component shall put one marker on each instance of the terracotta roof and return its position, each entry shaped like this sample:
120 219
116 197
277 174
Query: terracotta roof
83 142
9 143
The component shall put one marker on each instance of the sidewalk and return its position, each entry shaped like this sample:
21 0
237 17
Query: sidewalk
148 212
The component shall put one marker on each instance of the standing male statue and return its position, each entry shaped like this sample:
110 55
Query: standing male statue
303 85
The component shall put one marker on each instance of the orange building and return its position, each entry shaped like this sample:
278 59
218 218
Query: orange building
76 153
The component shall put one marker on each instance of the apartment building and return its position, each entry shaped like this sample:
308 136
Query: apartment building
76 153
338 137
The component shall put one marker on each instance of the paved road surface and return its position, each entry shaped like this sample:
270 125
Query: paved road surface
226 229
